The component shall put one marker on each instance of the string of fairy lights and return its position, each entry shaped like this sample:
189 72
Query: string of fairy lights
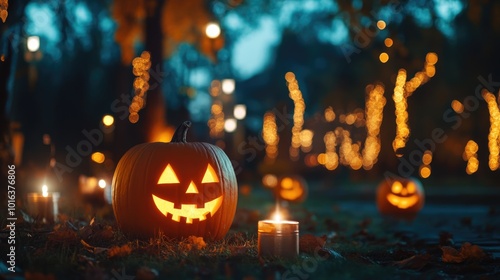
270 136
141 65
298 113
216 121
4 5
470 155
375 103
494 134
404 89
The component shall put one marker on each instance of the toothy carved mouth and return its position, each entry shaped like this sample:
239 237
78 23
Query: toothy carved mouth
402 202
188 211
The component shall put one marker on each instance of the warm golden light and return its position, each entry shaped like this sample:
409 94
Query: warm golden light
381 24
228 86
470 155
33 43
140 69
216 122
4 5
230 125
330 158
431 58
98 157
270 180
402 129
457 106
102 184
277 216
212 30
494 133
168 176
298 113
270 135
388 42
240 111
425 171
188 211
210 175
375 103
108 120
329 114
306 139
383 57
45 191
427 157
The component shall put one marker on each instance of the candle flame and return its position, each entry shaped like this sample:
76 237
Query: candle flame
45 191
277 216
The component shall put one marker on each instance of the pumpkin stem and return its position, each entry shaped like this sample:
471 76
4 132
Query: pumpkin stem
181 132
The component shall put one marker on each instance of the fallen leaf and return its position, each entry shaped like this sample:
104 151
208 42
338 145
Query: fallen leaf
193 243
472 252
416 262
119 251
63 235
468 252
451 255
308 243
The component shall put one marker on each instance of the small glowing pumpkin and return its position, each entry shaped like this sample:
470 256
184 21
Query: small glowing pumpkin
292 188
178 188
403 197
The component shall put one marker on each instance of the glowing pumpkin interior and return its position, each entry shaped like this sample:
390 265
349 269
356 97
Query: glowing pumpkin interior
190 212
402 196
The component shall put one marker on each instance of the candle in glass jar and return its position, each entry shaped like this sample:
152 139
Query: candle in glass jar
43 206
278 238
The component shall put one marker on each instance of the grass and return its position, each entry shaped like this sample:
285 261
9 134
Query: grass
368 247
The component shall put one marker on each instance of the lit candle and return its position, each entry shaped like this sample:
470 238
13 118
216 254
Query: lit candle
43 206
278 237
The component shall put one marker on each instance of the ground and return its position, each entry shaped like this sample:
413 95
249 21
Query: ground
342 236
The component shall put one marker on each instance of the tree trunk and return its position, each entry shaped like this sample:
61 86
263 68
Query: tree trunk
154 113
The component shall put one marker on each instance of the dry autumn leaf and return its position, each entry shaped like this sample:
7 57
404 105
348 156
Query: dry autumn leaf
468 252
193 242
308 243
119 251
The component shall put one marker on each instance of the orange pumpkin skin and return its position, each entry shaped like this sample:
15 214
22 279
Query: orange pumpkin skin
400 197
200 206
292 188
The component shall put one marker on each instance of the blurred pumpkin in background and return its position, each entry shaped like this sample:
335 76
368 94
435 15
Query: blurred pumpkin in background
292 188
400 197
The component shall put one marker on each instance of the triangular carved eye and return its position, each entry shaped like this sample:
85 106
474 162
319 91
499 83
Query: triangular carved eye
210 175
168 176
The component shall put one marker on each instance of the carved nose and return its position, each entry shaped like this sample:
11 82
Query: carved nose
404 192
192 188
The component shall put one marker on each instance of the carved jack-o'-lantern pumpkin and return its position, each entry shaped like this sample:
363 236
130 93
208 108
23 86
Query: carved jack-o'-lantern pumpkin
291 188
177 188
400 197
